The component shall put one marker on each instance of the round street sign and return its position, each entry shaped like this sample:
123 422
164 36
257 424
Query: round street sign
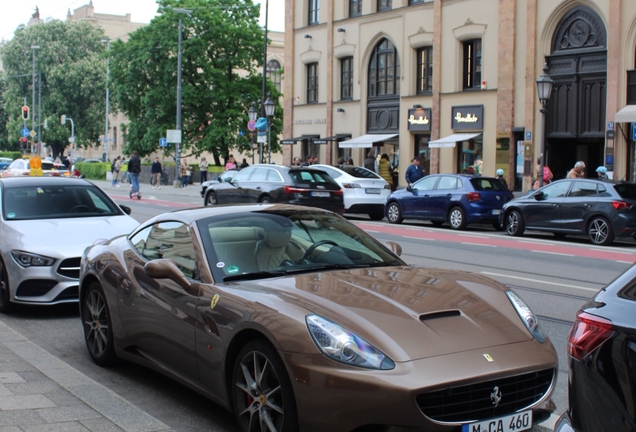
24 132
251 125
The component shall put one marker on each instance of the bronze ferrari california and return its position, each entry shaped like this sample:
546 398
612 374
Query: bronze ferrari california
297 320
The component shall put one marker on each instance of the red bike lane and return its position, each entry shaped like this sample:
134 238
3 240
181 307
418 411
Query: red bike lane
504 242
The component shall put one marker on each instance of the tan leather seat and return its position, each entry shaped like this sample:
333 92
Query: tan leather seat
271 251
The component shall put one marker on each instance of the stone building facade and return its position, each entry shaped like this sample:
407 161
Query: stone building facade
453 82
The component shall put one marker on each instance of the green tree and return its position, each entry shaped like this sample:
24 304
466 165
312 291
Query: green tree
222 49
71 56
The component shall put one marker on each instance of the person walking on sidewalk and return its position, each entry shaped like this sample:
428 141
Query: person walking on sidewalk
134 168
203 169
116 171
184 172
414 172
155 170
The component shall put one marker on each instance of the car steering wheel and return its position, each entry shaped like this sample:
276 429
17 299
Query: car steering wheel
313 247
80 208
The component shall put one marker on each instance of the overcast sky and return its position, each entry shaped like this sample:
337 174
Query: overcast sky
16 12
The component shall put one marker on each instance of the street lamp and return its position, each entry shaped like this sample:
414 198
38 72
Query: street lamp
33 47
177 158
253 115
107 41
269 112
544 90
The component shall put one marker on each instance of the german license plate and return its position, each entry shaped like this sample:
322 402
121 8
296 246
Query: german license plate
321 194
496 212
512 423
372 190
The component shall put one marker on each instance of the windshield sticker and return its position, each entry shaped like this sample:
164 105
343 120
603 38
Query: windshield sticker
40 190
10 215
232 269
220 264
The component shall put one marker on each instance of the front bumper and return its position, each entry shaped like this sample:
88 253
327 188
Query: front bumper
335 397
48 285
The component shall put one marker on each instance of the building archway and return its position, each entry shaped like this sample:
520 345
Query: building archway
575 122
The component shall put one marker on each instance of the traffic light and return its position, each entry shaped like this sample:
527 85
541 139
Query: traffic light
25 112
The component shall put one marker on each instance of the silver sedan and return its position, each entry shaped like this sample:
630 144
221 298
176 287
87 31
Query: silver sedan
46 223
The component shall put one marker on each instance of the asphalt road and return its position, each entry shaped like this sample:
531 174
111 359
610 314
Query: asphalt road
555 277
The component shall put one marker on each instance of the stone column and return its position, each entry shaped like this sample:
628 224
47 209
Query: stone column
531 92
437 83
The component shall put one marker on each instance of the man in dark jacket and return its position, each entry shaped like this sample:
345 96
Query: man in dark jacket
369 162
155 170
134 168
414 171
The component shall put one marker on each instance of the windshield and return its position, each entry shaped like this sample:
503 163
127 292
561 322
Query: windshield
261 244
54 202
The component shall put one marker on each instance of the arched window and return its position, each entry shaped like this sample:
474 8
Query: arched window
272 71
384 70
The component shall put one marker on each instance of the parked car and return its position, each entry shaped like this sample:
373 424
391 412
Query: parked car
283 313
46 224
458 199
5 162
602 357
21 168
263 183
220 177
364 191
600 209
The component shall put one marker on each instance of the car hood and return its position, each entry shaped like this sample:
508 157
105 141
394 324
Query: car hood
60 238
408 313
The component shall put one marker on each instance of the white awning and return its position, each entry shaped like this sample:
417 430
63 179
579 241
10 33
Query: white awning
450 140
365 141
626 115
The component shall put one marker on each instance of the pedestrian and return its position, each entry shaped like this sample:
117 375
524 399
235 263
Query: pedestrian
117 171
602 173
546 174
231 163
296 161
244 164
314 160
184 172
134 168
308 161
350 161
578 171
501 178
155 170
385 171
341 160
414 172
203 169
369 162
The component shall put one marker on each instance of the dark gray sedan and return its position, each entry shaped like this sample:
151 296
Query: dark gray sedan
601 209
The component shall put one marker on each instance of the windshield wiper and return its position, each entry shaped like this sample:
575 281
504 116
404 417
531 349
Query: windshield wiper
254 275
325 266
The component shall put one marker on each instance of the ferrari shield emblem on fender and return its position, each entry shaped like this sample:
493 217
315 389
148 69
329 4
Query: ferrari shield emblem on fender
214 301
487 357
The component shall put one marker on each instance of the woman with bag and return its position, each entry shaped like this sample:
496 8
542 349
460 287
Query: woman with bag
546 174
384 169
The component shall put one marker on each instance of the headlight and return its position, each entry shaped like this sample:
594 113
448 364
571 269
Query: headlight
26 259
529 319
341 345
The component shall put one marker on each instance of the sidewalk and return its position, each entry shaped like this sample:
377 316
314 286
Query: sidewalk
165 193
40 393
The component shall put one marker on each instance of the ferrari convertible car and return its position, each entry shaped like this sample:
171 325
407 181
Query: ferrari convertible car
297 320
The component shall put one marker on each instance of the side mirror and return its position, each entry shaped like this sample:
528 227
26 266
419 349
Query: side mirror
409 188
394 247
125 209
539 196
166 269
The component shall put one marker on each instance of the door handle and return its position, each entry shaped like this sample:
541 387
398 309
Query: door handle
449 195
426 196
258 187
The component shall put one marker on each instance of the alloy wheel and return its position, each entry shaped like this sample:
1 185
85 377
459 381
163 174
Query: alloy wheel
600 232
394 214
259 403
210 199
97 326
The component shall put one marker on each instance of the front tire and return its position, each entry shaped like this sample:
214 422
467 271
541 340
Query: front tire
98 333
5 294
265 200
210 199
394 213
600 232
457 218
515 225
262 392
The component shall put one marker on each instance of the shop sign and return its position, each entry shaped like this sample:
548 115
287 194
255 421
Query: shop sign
419 119
467 117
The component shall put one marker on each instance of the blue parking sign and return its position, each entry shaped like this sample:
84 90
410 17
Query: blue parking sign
24 132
